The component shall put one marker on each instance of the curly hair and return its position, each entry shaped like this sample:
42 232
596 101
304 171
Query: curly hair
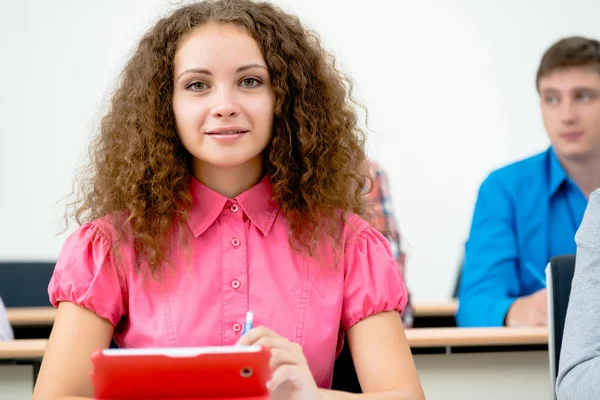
316 158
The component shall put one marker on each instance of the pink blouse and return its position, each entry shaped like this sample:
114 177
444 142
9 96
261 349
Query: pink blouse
239 259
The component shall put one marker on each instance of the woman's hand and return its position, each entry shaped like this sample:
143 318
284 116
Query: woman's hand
291 378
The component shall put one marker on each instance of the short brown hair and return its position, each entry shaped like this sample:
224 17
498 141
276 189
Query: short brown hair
574 51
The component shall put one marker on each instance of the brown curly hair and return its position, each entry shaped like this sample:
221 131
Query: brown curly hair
315 159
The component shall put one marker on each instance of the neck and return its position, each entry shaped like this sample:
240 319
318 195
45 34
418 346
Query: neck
585 172
229 181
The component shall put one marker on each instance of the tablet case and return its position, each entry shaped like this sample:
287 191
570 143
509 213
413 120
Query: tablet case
200 373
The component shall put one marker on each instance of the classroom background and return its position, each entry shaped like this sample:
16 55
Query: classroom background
448 84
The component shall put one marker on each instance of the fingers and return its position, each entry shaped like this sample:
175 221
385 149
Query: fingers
538 313
541 296
541 305
287 360
541 318
285 373
254 335
262 336
286 356
282 350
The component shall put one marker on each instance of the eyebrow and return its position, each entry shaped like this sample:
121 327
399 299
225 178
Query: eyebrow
575 89
207 72
584 88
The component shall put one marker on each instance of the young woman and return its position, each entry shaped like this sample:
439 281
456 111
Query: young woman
227 177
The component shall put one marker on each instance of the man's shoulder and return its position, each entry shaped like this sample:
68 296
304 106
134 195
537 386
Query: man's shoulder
529 171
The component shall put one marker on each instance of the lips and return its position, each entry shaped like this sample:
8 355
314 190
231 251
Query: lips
569 136
227 132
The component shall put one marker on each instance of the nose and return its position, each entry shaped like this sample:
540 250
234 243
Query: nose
225 104
568 113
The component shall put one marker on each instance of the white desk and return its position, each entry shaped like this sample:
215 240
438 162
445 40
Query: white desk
479 374
31 316
486 375
16 380
443 309
489 375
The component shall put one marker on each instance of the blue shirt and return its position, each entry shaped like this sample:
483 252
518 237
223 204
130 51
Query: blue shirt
526 213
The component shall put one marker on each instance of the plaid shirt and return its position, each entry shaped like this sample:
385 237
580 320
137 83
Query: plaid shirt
382 218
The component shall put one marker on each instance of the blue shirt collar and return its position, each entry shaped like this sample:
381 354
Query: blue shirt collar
557 172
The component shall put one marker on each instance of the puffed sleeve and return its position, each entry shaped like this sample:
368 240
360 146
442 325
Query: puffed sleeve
373 282
86 275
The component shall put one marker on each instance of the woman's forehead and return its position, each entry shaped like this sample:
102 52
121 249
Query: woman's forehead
217 47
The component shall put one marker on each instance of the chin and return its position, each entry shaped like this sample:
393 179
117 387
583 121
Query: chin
229 161
573 152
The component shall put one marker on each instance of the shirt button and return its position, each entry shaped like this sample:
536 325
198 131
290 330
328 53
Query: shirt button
237 327
235 284
235 242
234 208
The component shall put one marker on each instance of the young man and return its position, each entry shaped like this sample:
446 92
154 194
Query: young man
529 211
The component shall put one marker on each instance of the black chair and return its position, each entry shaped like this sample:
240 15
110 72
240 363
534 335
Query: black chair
458 276
559 275
25 284
344 374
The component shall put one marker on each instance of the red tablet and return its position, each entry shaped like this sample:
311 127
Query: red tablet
194 373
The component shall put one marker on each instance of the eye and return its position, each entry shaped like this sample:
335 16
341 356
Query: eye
551 99
250 82
197 86
583 96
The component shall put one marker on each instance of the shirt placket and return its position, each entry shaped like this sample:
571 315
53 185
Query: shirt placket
235 272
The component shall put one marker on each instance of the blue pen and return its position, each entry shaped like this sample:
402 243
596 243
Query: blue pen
248 323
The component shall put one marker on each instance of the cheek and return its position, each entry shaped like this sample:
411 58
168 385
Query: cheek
188 115
262 110
593 116
549 119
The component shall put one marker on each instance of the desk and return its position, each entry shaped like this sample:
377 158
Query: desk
44 316
473 363
31 316
31 322
471 337
31 349
453 363
24 316
434 315
19 365
443 309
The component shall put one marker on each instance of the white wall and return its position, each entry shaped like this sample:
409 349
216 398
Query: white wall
448 84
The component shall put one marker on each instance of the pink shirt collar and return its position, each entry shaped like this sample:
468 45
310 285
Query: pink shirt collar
257 203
